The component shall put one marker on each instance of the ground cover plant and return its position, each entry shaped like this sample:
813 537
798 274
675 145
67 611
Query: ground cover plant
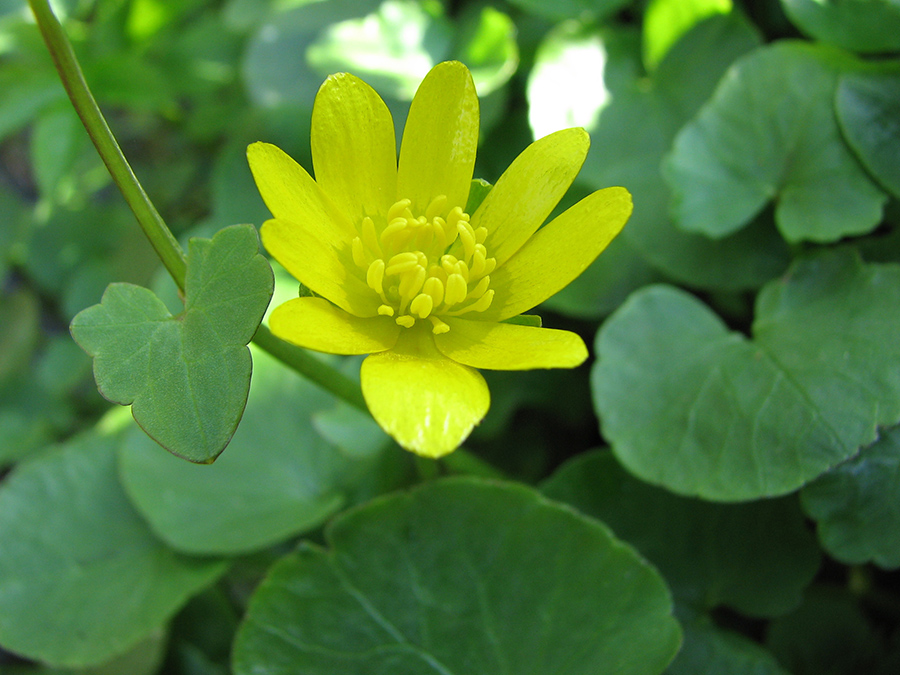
526 400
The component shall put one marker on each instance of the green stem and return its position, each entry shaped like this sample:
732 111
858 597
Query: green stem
165 245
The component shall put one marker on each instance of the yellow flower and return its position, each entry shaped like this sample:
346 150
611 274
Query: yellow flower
404 273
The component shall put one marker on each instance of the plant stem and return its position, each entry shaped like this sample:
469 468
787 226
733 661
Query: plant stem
161 238
164 243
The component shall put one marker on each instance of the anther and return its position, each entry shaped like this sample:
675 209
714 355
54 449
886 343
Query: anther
375 276
359 254
398 209
385 310
438 325
436 207
406 321
421 305
479 289
402 262
435 288
456 290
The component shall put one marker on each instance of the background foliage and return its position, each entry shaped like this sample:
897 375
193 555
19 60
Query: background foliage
729 455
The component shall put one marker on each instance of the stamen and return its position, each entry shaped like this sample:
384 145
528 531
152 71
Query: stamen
397 209
438 325
467 236
369 238
435 288
421 305
406 321
410 284
402 262
436 207
479 290
384 310
456 290
359 255
375 276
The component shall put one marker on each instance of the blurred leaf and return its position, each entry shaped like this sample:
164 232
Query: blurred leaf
711 650
570 9
275 68
855 505
486 43
665 21
448 578
19 331
770 133
827 635
82 579
278 478
858 25
756 558
868 108
391 49
58 139
703 411
26 91
187 377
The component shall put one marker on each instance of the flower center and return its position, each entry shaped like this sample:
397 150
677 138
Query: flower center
425 267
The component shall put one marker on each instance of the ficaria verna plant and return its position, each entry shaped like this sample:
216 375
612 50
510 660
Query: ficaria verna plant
405 273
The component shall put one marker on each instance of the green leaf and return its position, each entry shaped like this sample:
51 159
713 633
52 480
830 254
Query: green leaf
756 558
186 376
828 635
868 108
687 404
855 505
570 9
460 576
858 25
278 478
710 649
770 133
635 129
19 331
82 578
665 21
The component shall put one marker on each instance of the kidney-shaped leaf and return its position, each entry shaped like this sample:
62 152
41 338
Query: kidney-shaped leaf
82 578
770 133
703 411
460 576
186 376
856 505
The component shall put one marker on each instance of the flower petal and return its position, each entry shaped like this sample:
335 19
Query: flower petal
353 148
426 402
315 323
504 346
319 265
557 253
529 190
437 155
291 194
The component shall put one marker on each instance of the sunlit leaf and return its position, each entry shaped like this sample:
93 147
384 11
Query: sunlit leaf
665 21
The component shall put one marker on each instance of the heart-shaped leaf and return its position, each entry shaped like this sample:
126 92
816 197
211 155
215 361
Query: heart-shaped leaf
770 133
186 376
703 411
460 576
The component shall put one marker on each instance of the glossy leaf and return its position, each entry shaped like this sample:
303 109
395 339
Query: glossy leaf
278 478
855 505
756 558
705 411
868 108
186 376
448 579
770 133
68 531
858 25
665 21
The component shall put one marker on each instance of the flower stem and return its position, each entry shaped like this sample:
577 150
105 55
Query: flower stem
161 238
164 243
